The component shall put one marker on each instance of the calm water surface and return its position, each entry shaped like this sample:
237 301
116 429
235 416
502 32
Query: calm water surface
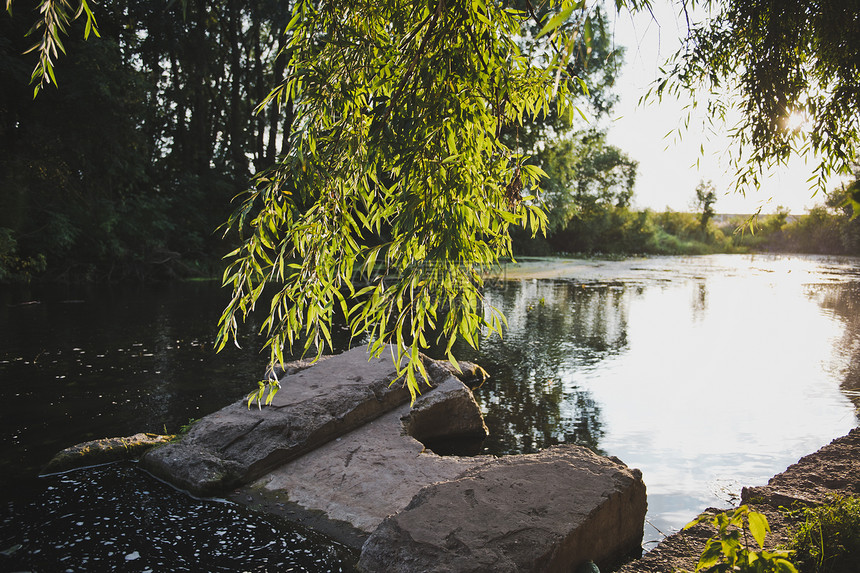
707 373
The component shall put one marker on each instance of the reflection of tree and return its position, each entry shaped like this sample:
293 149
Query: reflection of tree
554 329
700 300
844 301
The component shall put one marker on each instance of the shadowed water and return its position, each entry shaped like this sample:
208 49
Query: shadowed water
707 373
112 518
84 363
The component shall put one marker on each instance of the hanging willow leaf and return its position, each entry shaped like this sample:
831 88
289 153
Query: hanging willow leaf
396 176
55 18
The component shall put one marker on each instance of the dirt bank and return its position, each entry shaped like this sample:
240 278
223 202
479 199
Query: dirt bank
835 468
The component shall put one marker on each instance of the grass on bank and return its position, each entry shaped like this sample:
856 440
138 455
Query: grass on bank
825 539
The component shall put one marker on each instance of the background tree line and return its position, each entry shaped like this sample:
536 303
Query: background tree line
128 169
608 226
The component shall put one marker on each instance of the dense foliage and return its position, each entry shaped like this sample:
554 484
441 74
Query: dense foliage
396 143
400 169
611 230
128 169
401 144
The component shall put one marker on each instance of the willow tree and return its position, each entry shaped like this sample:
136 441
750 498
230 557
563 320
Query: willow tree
791 68
397 191
396 188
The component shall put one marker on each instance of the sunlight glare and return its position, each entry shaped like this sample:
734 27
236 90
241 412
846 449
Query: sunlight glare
796 121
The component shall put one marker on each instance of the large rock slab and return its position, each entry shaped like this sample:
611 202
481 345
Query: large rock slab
348 486
550 511
334 451
236 445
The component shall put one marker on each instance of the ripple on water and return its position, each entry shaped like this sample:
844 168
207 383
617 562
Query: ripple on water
116 518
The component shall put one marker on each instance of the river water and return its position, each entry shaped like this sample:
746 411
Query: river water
707 373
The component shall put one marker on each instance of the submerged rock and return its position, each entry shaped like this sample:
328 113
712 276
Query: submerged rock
103 451
447 420
550 511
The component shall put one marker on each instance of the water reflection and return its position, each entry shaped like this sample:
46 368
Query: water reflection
843 301
553 328
708 373
700 300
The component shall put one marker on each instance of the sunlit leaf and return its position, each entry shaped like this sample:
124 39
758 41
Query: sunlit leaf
758 527
557 20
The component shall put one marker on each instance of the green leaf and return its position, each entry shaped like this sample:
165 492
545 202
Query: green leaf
783 566
587 34
758 527
454 362
711 555
557 20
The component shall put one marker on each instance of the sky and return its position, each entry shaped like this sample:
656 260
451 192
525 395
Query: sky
668 170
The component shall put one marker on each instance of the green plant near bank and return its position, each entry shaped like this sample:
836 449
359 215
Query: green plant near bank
183 430
827 540
729 549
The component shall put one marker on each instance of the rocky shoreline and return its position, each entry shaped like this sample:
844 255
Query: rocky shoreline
308 458
834 469
341 444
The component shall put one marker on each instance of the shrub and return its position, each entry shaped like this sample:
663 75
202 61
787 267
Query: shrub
828 538
728 550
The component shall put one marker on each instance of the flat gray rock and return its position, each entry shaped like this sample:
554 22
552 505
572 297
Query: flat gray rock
550 511
236 445
341 450
347 487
